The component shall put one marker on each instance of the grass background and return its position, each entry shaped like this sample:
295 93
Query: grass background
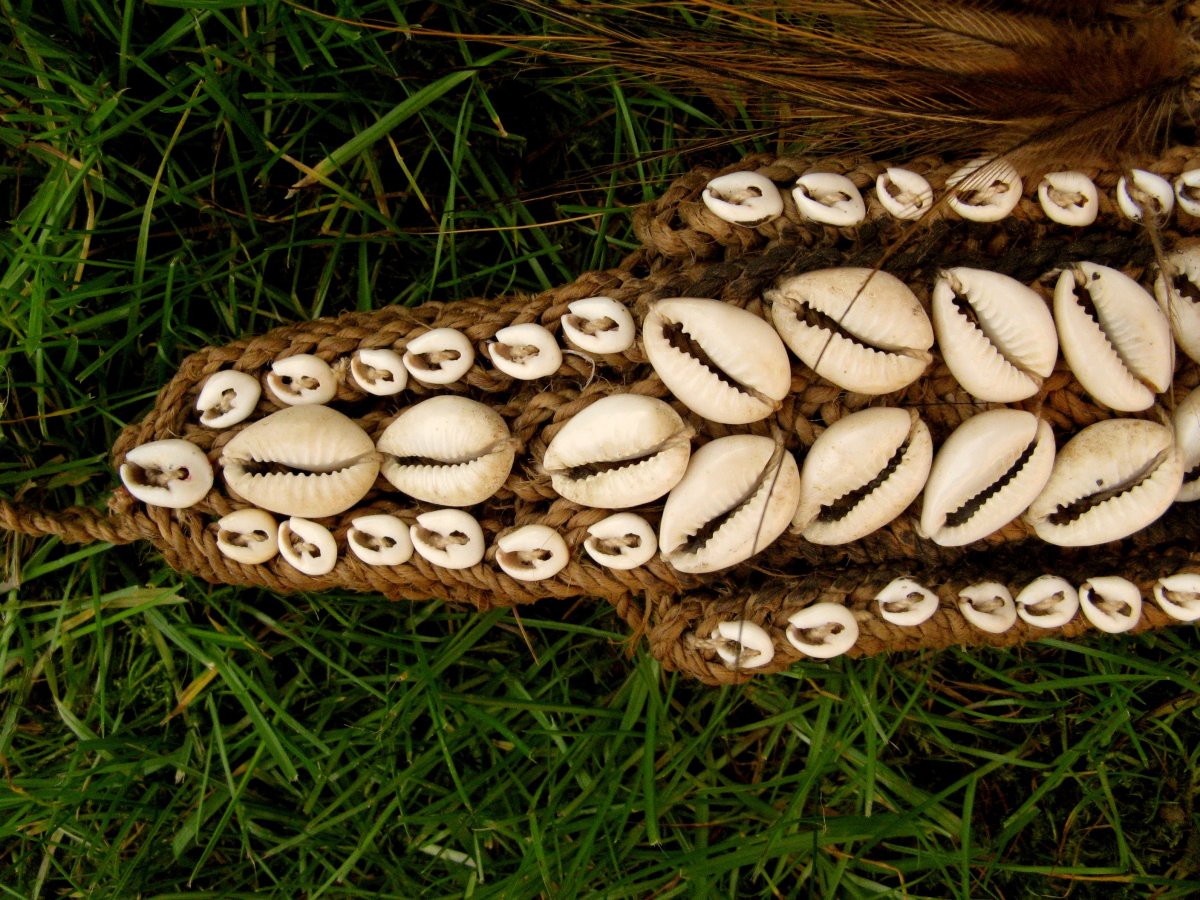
174 175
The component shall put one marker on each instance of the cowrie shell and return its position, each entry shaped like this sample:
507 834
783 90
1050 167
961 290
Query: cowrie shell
737 496
722 362
1069 198
1048 602
862 472
1145 196
379 371
985 190
302 379
742 644
228 397
743 198
526 352
532 553
1182 302
440 356
1110 603
248 536
1179 596
450 538
380 539
1187 440
988 606
829 199
862 329
448 450
622 541
308 461
1187 191
823 630
172 473
904 193
623 450
1114 337
905 602
307 546
1113 478
599 325
985 475
996 335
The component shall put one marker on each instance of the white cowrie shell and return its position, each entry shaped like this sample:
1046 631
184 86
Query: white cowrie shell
302 379
1114 337
823 630
172 473
379 371
440 356
1179 596
737 496
380 539
862 329
1187 191
622 541
1110 603
829 199
248 536
722 362
448 450
985 190
449 538
905 602
743 198
996 335
904 193
1149 196
742 644
988 606
308 461
1187 440
228 397
308 547
1113 478
862 472
1182 302
532 553
526 352
1048 602
599 325
1069 198
985 475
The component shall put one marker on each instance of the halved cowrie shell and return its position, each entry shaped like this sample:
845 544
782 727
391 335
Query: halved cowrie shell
737 496
1114 337
532 553
905 602
1187 191
379 371
380 539
1145 196
1048 602
526 351
248 536
308 461
996 335
1069 198
623 450
742 644
228 397
172 473
622 541
985 190
862 329
1187 440
862 472
308 547
1179 596
448 450
440 356
599 325
985 475
904 193
1113 478
829 199
302 379
743 198
823 630
988 606
722 362
1182 302
449 538
1110 603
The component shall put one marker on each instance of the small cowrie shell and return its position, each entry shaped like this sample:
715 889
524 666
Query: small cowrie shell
302 379
622 541
1187 191
1187 440
742 644
1149 196
599 325
1179 596
526 352
1069 198
379 371
985 190
988 606
904 193
829 199
1110 603
228 397
823 630
904 602
1182 302
449 538
248 536
172 473
440 356
1048 602
532 553
743 198
380 539
307 546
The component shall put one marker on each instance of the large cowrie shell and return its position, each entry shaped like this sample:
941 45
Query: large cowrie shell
862 472
449 538
996 335
379 371
380 539
599 325
823 630
1182 302
1114 337
248 536
1069 198
448 450
862 329
1048 602
1113 478
526 352
985 190
308 461
228 397
307 546
1110 603
1145 196
722 362
905 602
829 199
988 606
743 198
172 473
440 356
1179 596
737 496
742 644
985 475
904 193
1187 440
622 541
623 450
1187 191
302 379
532 553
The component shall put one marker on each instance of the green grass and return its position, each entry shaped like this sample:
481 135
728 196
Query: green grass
177 175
